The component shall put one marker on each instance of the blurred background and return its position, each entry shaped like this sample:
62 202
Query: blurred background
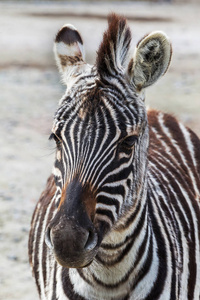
30 88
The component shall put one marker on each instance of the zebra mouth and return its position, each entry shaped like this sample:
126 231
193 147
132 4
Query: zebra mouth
79 259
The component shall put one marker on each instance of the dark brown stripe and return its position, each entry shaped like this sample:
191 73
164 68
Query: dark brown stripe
68 287
130 242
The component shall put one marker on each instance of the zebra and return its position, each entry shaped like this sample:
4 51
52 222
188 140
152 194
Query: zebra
119 218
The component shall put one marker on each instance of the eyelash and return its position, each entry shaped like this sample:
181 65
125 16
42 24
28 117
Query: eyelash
129 142
55 138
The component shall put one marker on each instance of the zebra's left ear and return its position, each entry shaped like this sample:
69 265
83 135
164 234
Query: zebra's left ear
151 59
68 50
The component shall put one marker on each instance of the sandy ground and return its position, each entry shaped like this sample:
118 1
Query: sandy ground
30 89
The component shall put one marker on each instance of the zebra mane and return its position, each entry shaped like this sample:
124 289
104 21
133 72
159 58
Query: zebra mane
113 51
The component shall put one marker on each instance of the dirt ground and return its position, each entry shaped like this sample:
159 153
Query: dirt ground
30 90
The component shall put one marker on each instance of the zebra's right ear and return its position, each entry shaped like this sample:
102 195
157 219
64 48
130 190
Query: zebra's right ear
68 50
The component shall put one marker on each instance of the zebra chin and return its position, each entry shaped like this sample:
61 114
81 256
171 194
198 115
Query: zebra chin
73 246
78 261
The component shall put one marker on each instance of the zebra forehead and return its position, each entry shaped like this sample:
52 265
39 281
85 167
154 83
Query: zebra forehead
98 101
93 119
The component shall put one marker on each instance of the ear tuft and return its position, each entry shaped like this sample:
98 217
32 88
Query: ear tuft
112 53
151 59
68 48
68 35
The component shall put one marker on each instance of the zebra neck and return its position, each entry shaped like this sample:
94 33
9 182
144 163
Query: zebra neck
124 259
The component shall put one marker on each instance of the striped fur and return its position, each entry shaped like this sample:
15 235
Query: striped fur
135 176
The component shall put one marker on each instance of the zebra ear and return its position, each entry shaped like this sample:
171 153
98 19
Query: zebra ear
151 59
68 50
113 51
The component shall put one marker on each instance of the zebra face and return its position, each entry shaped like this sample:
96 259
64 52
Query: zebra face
101 133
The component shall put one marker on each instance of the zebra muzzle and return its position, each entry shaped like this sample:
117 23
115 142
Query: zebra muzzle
74 246
71 234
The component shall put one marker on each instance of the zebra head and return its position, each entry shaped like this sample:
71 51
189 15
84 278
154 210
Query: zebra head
101 133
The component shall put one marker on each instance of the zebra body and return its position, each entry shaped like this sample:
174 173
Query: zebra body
121 213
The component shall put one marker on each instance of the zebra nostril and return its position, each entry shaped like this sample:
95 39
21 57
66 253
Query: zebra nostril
91 240
48 238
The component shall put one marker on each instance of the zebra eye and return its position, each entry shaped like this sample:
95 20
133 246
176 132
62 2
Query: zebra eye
130 141
54 137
